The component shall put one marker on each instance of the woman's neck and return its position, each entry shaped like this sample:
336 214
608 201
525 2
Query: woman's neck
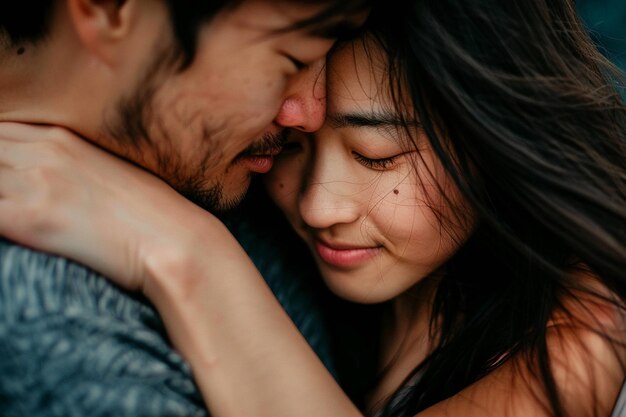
406 339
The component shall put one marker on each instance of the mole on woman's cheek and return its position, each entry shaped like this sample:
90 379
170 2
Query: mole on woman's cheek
281 185
396 192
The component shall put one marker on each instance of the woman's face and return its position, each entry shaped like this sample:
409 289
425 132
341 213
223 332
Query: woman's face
369 205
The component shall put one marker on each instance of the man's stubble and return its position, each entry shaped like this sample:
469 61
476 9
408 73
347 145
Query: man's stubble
142 138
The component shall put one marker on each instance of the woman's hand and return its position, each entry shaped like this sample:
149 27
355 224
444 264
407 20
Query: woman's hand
61 194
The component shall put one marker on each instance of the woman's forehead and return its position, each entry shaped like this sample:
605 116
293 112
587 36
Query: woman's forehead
358 76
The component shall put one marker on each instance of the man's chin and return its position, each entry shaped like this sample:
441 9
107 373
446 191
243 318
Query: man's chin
215 199
229 203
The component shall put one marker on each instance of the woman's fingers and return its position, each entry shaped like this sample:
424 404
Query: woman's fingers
18 154
23 132
61 194
29 200
56 137
24 146
11 182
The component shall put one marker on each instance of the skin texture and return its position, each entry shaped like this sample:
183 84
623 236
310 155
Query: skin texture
370 205
203 118
58 194
112 78
179 257
385 209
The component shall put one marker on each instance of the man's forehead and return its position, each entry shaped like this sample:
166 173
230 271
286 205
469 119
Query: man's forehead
324 19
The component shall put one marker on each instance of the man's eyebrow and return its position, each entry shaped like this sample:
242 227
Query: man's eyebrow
373 119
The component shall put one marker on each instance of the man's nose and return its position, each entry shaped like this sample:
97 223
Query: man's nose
304 107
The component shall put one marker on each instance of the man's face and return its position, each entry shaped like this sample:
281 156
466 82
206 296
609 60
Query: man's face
207 128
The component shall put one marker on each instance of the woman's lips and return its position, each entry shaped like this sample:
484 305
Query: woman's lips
344 256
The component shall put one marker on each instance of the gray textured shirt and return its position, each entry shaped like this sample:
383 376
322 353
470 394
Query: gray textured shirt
74 345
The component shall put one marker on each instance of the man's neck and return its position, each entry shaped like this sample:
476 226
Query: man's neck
24 90
47 84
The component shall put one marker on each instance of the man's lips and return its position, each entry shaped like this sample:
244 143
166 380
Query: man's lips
259 157
261 162
258 163
343 255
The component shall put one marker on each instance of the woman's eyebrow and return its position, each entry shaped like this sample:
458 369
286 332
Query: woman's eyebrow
373 119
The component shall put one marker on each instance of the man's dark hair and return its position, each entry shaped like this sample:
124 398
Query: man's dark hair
28 21
25 21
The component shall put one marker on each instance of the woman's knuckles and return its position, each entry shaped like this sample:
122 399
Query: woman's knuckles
50 194
55 152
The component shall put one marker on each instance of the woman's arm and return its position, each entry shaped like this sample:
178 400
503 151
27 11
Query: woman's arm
247 356
60 194
283 377
588 369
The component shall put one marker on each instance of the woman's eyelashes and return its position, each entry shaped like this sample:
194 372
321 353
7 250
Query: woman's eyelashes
295 147
377 163
298 64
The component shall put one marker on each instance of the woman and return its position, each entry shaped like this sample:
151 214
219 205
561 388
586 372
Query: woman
479 198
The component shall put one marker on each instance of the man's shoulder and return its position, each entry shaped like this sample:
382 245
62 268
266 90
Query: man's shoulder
72 344
34 283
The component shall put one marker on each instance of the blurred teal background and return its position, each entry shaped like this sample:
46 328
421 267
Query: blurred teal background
606 21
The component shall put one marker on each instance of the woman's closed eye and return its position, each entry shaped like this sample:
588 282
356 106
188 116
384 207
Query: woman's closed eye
378 164
298 64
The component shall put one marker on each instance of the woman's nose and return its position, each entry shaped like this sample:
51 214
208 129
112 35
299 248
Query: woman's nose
325 202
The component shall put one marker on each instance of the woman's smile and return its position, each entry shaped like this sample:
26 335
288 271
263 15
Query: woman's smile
361 198
344 255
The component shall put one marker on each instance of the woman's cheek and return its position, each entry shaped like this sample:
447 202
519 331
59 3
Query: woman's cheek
284 182
400 210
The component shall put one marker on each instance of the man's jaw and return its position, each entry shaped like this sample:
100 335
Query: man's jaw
226 191
215 198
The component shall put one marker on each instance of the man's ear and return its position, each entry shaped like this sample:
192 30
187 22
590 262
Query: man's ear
103 25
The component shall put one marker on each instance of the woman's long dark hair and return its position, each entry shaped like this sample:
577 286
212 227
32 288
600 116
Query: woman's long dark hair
526 117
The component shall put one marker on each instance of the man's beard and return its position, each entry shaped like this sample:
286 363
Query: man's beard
213 198
134 125
268 144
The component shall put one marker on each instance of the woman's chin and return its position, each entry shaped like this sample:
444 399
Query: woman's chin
358 287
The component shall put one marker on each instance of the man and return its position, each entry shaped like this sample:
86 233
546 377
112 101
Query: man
197 92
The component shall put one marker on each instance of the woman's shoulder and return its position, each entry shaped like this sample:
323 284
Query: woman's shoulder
584 350
587 303
586 342
586 346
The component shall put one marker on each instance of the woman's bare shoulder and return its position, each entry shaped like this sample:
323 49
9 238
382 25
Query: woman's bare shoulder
585 342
